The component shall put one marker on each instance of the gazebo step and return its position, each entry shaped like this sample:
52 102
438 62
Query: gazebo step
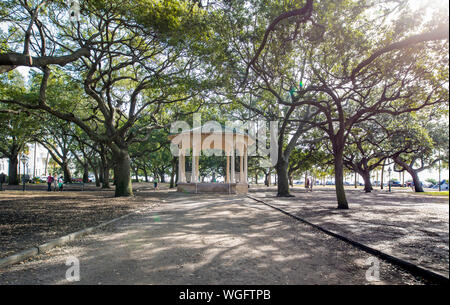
217 188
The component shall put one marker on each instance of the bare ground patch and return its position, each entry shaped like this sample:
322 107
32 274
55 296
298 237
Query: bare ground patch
414 228
34 217
203 240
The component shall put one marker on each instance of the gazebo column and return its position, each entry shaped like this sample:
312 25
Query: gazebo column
194 168
241 168
245 165
196 150
182 167
233 165
228 169
197 168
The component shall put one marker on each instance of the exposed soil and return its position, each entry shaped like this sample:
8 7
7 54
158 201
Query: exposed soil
200 239
35 216
412 227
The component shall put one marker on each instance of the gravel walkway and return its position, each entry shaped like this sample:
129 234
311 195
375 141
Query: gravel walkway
408 226
203 239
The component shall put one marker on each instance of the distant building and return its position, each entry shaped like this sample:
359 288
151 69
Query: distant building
33 169
39 168
4 166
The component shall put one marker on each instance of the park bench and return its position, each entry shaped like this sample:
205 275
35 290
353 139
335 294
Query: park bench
73 186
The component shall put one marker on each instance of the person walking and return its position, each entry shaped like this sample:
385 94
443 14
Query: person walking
60 183
49 183
155 184
55 182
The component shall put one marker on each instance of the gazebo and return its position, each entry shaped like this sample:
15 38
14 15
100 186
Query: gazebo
233 143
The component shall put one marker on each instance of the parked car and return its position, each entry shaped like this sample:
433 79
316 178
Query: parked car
396 184
444 186
376 183
428 184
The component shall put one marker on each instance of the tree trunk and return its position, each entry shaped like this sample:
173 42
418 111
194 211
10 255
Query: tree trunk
12 173
283 180
339 178
101 175
86 173
382 175
122 173
176 173
136 175
97 178
105 166
144 168
115 175
172 173
417 185
105 178
256 178
67 174
367 184
162 176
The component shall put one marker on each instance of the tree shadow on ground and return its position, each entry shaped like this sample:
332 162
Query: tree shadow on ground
403 225
228 240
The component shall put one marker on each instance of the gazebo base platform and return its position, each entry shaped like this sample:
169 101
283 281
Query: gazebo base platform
213 188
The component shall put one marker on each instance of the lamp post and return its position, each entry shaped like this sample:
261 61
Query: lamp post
439 182
389 172
24 160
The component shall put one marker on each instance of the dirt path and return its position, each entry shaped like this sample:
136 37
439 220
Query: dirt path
206 240
412 227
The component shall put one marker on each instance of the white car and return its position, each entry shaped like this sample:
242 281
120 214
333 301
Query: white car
444 187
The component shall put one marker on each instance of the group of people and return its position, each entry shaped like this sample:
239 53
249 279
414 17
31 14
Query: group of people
57 182
309 184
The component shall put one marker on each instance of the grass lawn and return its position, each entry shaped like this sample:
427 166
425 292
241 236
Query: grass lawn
443 193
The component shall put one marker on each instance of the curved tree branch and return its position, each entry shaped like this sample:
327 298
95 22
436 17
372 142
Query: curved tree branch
440 33
305 11
12 60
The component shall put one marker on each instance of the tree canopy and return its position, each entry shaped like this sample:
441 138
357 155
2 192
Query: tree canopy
335 77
